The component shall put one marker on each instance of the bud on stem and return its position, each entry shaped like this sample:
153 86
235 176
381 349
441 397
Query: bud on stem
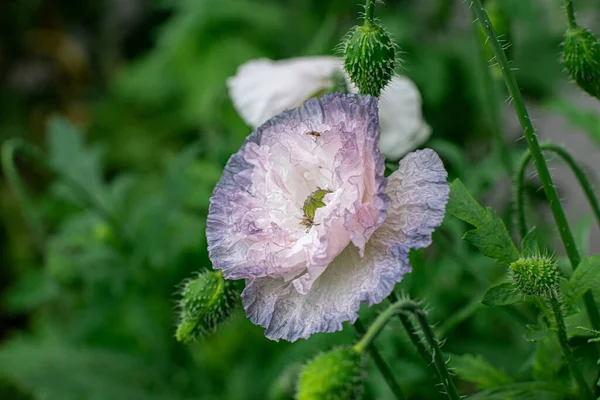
370 55
581 56
206 301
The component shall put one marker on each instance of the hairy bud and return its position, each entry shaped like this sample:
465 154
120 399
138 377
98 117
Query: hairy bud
581 56
335 375
370 58
536 276
206 301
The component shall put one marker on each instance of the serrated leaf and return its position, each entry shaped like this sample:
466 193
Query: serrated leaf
475 368
75 161
490 235
536 333
585 277
501 295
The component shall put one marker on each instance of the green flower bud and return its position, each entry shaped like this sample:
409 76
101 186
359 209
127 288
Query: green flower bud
370 58
536 276
581 56
206 301
335 375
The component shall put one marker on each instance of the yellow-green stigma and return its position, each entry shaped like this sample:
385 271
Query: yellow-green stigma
311 204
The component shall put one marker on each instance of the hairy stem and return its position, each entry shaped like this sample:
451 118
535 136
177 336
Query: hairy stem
384 369
561 332
404 307
369 8
577 171
570 13
540 163
492 95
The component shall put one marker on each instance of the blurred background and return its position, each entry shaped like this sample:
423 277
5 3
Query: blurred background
127 98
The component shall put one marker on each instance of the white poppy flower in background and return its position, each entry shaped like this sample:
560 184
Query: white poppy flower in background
263 88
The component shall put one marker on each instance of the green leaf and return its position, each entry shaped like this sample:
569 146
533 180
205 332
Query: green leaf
475 368
491 236
75 161
585 277
535 333
501 295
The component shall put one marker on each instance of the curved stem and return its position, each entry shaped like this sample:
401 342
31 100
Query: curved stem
384 369
369 8
540 163
412 334
409 306
561 332
577 171
10 148
570 13
403 307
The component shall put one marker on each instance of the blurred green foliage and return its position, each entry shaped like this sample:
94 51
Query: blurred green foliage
147 127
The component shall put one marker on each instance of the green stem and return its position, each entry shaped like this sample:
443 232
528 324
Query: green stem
369 9
491 96
564 344
409 306
402 307
577 171
10 148
412 334
540 163
570 14
384 369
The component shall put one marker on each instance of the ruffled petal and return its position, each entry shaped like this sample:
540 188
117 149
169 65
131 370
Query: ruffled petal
263 88
254 226
419 194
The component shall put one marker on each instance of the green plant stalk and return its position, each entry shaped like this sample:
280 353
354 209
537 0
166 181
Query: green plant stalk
570 14
490 91
412 334
405 306
438 356
9 149
577 171
369 9
561 332
540 163
384 369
